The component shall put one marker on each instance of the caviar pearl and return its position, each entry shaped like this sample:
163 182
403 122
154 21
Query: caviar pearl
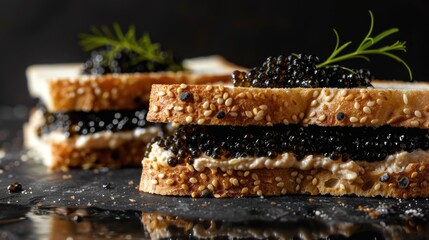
403 182
172 161
185 96
340 116
220 115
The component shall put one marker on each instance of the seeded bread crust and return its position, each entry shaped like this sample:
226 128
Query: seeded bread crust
61 87
183 180
65 157
399 106
113 91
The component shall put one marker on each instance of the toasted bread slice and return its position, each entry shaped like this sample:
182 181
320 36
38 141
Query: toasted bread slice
62 87
401 175
392 103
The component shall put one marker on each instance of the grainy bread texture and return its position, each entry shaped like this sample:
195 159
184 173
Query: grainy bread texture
221 105
62 88
183 180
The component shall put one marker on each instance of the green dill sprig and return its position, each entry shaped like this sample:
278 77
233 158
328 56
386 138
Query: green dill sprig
118 41
365 48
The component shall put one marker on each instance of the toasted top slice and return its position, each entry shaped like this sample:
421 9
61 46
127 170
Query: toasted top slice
394 103
62 87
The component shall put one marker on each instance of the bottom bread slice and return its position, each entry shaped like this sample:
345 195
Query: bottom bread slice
120 149
184 180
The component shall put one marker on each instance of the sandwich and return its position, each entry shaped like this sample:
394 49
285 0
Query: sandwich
294 125
93 114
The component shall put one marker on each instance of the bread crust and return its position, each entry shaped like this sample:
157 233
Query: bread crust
306 106
62 87
128 154
183 180
115 91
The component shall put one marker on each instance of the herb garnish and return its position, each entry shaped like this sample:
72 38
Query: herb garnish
365 48
118 41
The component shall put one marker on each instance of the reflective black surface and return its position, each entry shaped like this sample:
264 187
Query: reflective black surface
83 205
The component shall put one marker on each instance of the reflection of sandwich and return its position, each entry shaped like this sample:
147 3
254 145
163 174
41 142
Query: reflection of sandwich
294 125
162 227
99 119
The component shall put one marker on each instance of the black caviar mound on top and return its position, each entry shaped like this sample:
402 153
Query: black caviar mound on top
127 62
82 123
363 143
300 71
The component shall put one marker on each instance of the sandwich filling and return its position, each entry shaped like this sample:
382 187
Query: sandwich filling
103 129
73 123
342 150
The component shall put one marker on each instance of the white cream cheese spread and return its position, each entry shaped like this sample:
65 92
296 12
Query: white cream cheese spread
348 170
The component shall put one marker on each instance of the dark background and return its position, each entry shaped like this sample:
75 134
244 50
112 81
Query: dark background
244 32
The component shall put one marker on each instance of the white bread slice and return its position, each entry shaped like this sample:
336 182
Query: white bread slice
393 103
62 87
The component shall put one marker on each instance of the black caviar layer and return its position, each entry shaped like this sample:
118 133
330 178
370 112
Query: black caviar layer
299 70
356 143
99 63
83 123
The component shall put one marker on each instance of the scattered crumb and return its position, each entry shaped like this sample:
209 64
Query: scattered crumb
72 197
374 214
365 209
311 200
132 200
67 176
2 153
131 182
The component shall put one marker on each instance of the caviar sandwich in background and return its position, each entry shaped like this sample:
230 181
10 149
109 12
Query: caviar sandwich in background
94 114
294 125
